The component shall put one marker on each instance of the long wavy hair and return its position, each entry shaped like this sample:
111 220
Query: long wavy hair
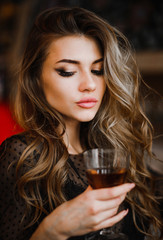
119 122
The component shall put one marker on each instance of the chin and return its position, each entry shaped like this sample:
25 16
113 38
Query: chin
87 118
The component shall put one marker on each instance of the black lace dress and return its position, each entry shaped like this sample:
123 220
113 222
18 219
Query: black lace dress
12 207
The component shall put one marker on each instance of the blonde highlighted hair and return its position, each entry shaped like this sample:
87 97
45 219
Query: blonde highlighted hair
120 121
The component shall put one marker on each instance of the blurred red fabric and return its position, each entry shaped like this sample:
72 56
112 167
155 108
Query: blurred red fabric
8 126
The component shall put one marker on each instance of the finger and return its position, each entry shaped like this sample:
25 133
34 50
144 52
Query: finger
100 206
105 215
109 204
109 193
109 222
89 188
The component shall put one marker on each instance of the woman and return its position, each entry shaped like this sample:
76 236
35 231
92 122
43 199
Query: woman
78 89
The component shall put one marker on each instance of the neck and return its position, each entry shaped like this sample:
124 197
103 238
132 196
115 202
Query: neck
72 137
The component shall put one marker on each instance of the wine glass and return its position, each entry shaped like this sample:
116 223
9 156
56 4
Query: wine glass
106 168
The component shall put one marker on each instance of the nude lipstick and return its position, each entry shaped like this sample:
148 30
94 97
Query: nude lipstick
87 102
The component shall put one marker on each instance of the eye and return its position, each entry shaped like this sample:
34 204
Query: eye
64 73
98 72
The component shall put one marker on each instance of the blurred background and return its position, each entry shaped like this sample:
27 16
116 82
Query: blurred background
140 21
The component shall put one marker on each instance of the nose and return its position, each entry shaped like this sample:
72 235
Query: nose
87 82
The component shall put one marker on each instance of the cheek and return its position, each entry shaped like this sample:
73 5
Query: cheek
58 97
50 93
53 95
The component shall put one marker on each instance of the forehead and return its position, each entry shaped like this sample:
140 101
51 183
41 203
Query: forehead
74 45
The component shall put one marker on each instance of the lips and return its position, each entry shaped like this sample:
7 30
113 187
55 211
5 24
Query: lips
87 102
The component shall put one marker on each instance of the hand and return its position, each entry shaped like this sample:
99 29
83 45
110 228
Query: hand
90 211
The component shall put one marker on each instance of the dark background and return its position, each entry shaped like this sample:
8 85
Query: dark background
140 21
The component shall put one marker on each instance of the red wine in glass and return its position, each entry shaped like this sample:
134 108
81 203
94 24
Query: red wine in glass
103 177
106 168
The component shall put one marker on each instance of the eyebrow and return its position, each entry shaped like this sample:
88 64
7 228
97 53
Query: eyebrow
77 62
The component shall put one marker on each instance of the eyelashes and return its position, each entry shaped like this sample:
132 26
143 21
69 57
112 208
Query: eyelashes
98 72
64 73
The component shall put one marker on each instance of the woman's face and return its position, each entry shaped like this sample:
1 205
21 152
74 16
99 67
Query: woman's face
72 77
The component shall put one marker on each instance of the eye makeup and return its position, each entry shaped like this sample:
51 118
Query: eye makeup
62 72
98 72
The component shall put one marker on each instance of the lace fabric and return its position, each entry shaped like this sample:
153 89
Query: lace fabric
12 207
77 171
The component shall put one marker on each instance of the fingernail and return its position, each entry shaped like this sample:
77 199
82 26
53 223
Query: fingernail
131 185
125 212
